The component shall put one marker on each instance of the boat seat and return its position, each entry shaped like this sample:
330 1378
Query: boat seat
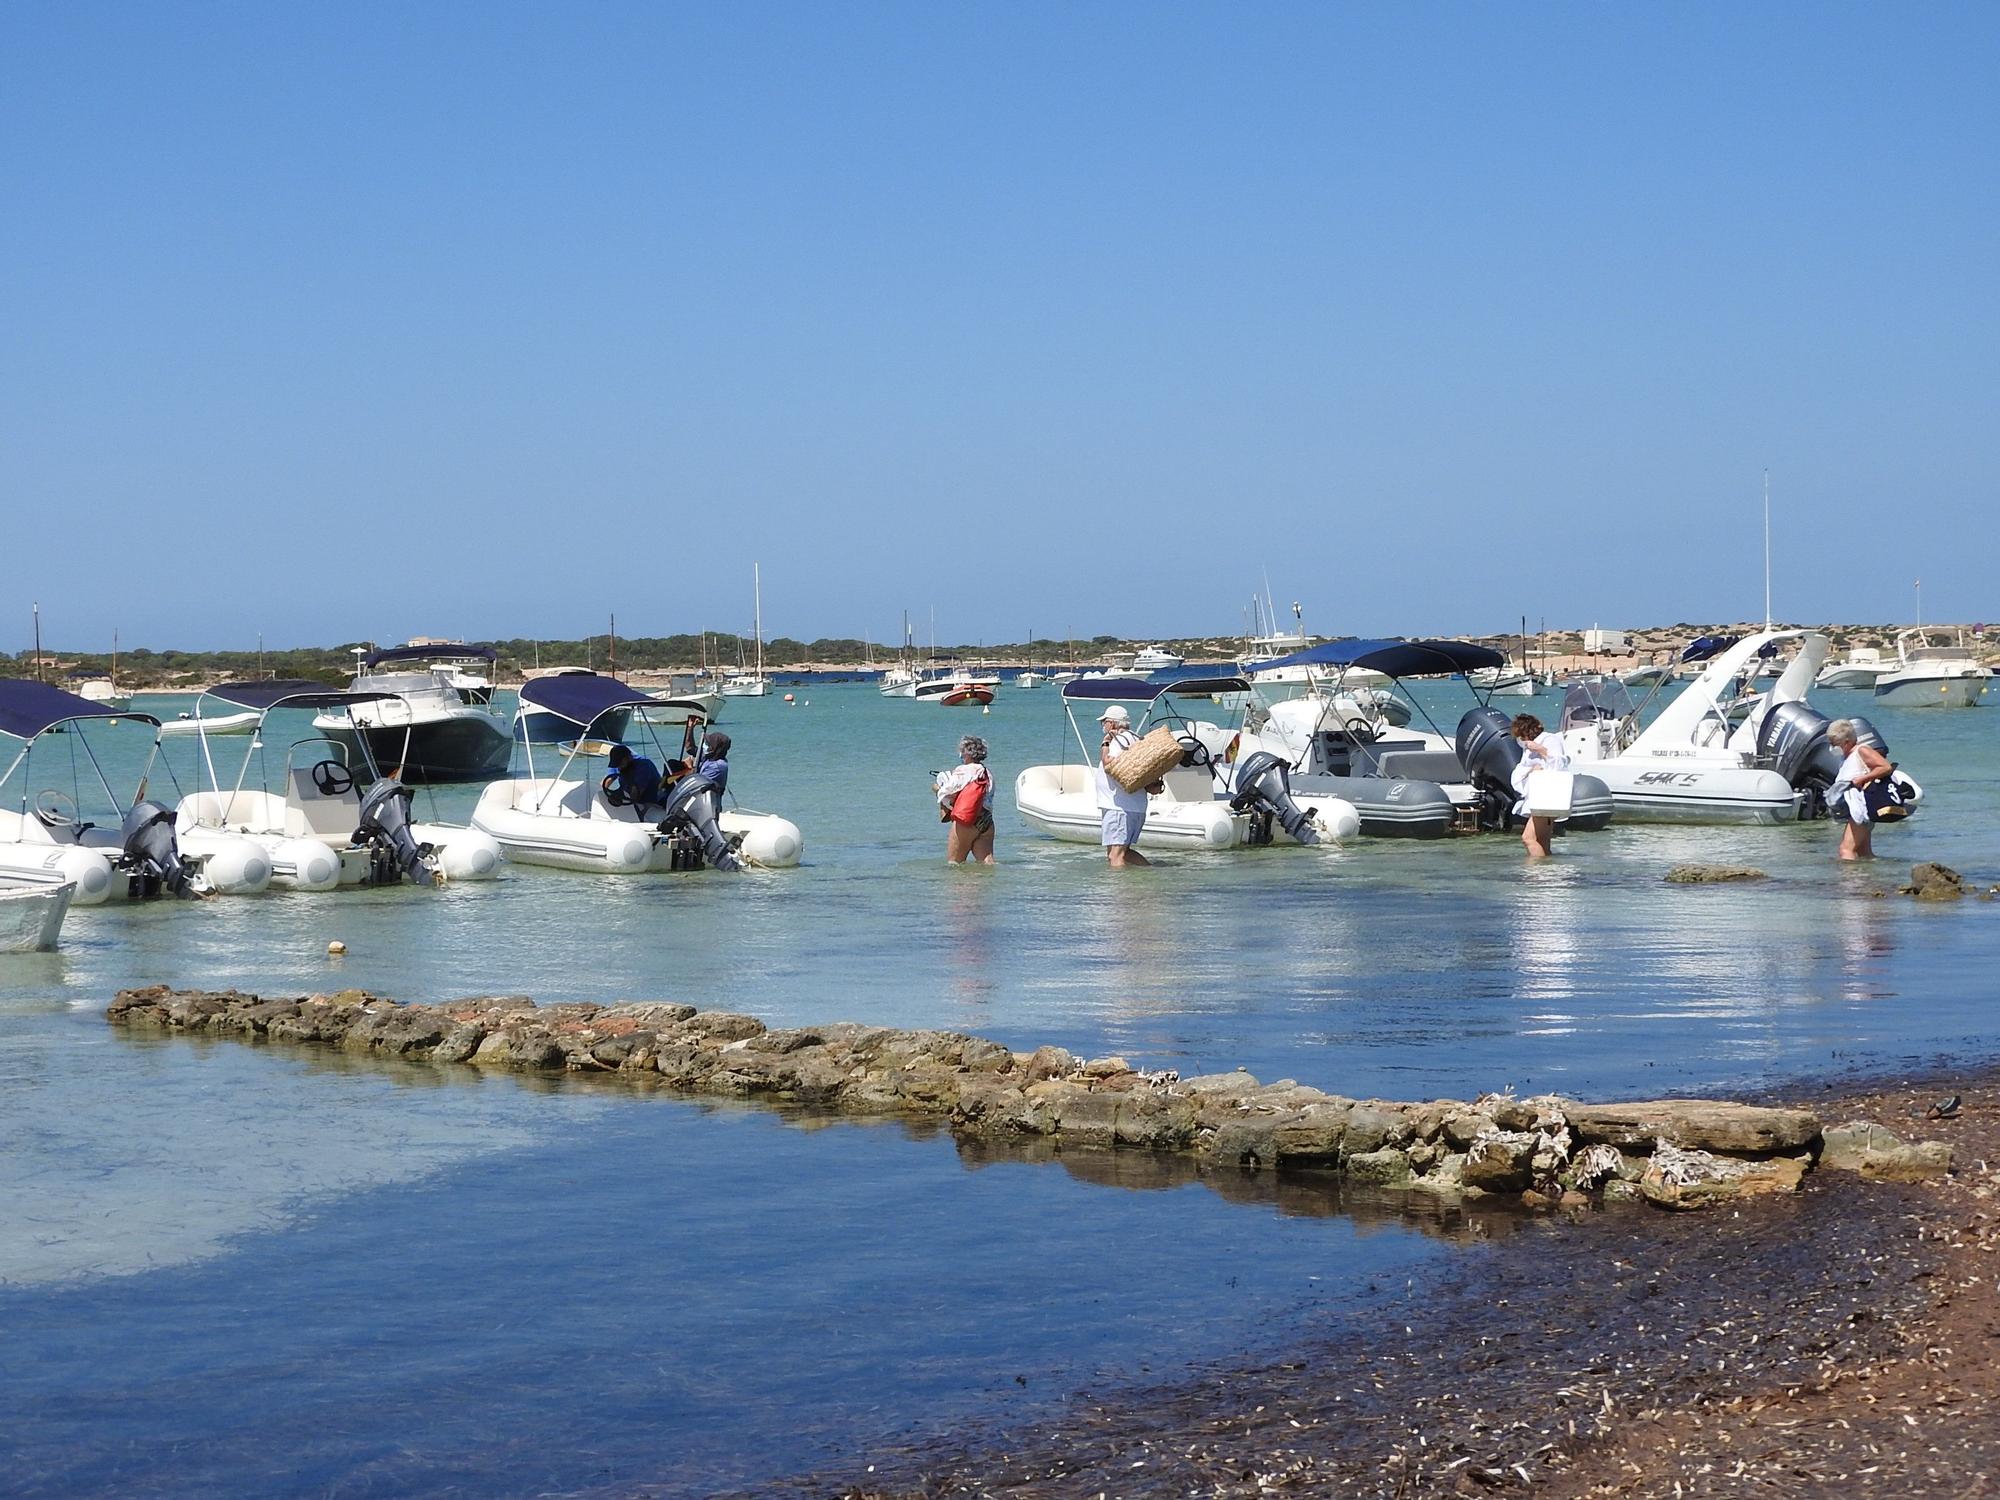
311 814
1420 765
1189 784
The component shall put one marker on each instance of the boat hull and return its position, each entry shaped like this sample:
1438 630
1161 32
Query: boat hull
566 825
1061 801
450 752
31 918
1961 689
1654 791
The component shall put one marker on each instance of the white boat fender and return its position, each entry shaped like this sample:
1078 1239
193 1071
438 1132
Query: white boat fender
237 867
90 871
315 866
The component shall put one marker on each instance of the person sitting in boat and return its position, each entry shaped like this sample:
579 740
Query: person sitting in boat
711 761
1539 752
634 780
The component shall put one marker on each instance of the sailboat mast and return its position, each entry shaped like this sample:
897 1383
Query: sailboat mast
611 647
757 602
38 642
1767 549
114 663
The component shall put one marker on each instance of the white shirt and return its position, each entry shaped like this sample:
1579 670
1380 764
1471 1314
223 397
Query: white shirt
958 778
1109 793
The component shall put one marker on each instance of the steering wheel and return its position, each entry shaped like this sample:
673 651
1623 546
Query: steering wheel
613 787
1194 752
1361 730
54 809
332 778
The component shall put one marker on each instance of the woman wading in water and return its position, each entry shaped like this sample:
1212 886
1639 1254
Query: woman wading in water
1540 752
965 801
1860 765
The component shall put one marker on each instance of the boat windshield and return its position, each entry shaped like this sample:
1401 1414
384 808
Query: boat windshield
1591 700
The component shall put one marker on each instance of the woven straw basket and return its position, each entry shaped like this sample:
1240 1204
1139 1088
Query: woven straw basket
1147 761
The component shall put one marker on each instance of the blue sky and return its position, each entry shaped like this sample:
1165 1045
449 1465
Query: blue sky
355 321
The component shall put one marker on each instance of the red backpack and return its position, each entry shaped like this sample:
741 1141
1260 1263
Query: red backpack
971 797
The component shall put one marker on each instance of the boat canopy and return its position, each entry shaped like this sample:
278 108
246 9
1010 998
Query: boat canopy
429 654
1702 647
1203 687
31 708
1394 658
583 698
287 692
1117 689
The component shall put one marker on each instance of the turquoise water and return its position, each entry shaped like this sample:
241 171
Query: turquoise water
432 1281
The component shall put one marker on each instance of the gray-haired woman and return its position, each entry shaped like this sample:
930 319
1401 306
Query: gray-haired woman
965 802
1860 765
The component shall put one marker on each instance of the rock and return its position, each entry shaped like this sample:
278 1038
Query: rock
1106 1067
1427 1120
1934 882
1499 1162
1251 1141
1155 1121
1460 1131
1695 1125
1048 1062
1537 1202
723 1025
1315 1136
1678 1179
1697 874
1387 1167
401 1029
1446 1178
1594 1166
459 1043
1373 1126
1865 1147
1236 1085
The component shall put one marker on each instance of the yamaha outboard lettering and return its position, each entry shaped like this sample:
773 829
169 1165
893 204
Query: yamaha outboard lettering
385 828
151 853
691 825
1264 783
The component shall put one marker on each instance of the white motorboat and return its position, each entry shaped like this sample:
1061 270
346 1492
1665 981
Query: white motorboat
31 915
1030 679
1156 659
742 684
1858 669
1404 781
104 693
899 682
46 840
1720 752
578 821
675 706
411 714
339 820
956 688
214 726
1649 675
1506 682
1212 800
1932 676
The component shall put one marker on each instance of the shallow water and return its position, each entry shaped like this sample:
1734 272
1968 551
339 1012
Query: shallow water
433 1283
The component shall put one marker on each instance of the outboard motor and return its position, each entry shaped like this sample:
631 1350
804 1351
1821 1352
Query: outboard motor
152 854
1792 741
393 850
1264 786
1489 752
694 834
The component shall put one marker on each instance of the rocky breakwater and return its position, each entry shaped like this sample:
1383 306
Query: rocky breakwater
1542 1152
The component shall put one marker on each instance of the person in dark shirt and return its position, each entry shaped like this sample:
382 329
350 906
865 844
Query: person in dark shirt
633 778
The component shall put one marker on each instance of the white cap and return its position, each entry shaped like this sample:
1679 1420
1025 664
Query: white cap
1115 714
